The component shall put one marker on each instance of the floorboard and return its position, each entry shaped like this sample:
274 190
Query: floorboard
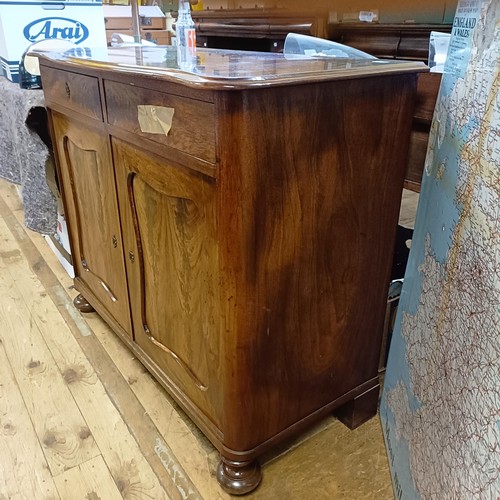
24 472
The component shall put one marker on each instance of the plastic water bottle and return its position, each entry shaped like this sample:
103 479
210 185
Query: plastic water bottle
186 36
29 72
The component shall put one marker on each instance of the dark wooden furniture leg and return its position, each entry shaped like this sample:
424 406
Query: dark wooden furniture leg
82 304
360 409
238 478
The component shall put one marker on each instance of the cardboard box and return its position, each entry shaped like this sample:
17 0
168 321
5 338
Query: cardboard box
118 18
23 22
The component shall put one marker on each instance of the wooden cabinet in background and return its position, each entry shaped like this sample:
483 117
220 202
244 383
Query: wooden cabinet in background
427 92
406 42
242 248
254 29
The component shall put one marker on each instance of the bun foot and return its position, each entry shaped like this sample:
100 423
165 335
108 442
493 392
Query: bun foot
238 478
81 303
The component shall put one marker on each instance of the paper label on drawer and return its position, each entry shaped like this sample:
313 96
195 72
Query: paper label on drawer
155 119
368 16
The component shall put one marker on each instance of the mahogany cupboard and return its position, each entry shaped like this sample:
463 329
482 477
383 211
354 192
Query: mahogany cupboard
234 225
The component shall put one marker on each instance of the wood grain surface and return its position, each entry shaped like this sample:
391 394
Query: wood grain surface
64 435
309 204
169 226
90 480
92 212
75 92
193 123
24 472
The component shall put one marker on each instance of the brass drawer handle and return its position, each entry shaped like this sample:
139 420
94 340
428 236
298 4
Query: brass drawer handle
131 256
115 241
67 89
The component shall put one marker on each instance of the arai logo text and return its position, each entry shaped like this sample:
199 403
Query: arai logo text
56 27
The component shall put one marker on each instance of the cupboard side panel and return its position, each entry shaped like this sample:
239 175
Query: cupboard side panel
310 181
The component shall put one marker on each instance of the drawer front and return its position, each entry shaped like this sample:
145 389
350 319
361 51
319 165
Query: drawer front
77 92
379 45
125 23
192 126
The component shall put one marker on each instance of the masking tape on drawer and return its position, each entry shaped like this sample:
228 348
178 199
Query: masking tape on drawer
155 119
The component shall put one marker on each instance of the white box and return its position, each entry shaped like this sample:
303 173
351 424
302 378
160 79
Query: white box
23 22
62 259
59 243
62 234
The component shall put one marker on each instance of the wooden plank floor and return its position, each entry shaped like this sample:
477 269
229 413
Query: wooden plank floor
80 418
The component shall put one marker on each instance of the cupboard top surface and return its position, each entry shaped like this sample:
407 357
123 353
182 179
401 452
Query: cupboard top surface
228 69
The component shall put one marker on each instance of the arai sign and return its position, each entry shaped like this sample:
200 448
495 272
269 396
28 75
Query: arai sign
56 27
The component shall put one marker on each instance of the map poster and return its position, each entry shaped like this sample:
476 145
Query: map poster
440 407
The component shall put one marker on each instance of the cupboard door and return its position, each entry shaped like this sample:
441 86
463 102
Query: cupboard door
90 194
168 220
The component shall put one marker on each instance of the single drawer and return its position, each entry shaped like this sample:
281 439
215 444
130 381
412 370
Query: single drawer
77 92
192 126
377 44
414 45
119 24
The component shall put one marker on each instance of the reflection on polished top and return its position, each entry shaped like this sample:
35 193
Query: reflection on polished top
215 68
